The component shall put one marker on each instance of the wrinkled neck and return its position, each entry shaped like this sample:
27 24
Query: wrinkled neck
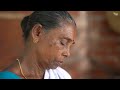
30 65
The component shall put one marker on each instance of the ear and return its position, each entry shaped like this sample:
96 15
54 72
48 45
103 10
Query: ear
36 32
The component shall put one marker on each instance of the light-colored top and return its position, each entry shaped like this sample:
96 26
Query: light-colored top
57 73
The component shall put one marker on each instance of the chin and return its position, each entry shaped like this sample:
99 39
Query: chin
55 64
53 67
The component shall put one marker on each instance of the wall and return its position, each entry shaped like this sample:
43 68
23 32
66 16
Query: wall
104 47
11 42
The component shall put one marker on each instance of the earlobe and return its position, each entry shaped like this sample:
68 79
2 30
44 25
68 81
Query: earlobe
35 40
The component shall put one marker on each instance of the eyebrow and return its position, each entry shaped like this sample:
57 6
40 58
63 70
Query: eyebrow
69 39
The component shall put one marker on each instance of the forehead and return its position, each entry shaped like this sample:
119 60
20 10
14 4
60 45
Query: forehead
68 31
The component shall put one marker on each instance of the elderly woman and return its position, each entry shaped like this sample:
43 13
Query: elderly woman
48 37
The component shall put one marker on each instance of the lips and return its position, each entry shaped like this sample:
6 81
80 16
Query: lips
59 63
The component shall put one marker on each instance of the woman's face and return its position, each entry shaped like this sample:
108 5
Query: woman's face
54 46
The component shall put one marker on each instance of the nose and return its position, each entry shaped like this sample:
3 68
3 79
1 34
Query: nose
66 53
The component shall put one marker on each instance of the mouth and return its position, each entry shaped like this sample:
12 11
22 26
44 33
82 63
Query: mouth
59 63
56 64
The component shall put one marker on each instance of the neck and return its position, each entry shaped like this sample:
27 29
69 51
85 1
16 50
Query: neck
30 66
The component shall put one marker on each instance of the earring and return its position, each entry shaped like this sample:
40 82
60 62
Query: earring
35 41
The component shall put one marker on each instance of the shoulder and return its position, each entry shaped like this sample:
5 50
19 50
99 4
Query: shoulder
63 73
8 75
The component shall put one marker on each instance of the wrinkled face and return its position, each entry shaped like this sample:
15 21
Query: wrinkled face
54 46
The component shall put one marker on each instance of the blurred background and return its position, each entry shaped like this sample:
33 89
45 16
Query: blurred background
96 54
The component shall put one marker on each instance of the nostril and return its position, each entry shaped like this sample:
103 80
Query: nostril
66 54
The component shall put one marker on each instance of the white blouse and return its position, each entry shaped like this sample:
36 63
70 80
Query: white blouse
57 73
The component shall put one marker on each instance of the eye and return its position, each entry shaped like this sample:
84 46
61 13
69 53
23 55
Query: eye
63 42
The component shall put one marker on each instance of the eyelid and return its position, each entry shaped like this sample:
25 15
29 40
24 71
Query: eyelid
63 42
69 40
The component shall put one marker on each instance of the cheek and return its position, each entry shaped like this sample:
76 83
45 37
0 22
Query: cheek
56 48
44 50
